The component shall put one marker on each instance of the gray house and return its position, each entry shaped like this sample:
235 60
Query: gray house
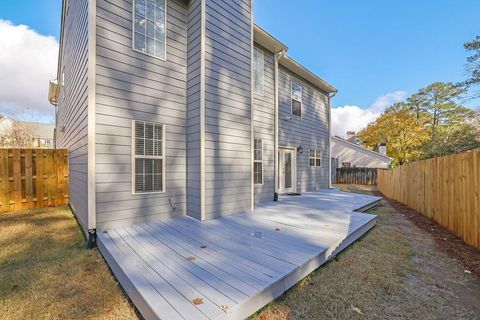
177 107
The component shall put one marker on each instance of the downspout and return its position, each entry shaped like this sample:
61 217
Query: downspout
278 56
330 138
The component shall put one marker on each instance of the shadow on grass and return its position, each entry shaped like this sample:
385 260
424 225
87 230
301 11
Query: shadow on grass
46 272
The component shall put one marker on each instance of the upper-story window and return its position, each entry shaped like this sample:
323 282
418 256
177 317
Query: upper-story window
258 161
297 91
149 34
258 71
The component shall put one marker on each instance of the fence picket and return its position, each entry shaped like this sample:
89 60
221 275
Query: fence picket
444 189
32 178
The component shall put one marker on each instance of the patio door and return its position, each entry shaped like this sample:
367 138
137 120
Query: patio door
288 171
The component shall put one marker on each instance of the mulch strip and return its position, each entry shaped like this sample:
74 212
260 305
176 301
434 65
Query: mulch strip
446 240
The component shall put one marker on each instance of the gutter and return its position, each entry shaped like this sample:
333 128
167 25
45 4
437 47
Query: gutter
279 55
330 96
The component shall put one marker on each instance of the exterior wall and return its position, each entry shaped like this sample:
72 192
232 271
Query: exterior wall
264 126
357 156
194 74
133 86
310 131
72 108
228 154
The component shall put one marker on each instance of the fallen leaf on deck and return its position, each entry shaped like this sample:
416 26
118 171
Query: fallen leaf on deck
223 307
191 258
197 301
203 247
357 310
277 229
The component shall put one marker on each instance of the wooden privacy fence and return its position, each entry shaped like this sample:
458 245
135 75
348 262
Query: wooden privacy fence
33 178
445 189
356 175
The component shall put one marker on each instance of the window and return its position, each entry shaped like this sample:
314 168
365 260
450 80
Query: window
258 162
148 157
297 91
315 158
346 164
258 71
149 34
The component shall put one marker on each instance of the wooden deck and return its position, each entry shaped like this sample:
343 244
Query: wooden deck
228 268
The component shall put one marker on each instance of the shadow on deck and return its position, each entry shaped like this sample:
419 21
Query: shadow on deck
228 268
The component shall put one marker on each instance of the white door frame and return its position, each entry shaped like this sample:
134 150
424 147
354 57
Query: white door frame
281 171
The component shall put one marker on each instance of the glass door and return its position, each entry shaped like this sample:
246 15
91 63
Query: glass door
287 168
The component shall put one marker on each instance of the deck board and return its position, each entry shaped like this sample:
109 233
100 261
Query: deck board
240 262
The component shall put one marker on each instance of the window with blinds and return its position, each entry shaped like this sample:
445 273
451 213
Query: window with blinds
148 157
258 161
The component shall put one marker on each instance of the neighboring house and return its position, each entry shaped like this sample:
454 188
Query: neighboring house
183 107
25 134
348 154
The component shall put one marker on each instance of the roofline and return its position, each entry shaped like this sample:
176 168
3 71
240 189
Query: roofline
360 147
267 41
300 70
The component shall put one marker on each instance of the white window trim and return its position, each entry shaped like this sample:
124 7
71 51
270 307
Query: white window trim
165 35
163 157
318 155
263 73
258 161
291 99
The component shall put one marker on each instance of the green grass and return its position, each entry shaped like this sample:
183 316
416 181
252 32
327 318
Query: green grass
46 273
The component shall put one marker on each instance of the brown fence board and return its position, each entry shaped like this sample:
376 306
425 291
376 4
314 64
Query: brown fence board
445 189
356 175
33 178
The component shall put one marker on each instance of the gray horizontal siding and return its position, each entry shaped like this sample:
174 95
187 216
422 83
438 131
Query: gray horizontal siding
310 131
134 86
194 30
227 107
72 114
264 128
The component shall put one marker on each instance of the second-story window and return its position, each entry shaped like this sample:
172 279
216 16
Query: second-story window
149 34
258 71
297 92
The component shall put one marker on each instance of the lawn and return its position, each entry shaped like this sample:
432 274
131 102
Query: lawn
394 271
46 273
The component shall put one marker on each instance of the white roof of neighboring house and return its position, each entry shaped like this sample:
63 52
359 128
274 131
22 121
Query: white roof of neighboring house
39 129
358 155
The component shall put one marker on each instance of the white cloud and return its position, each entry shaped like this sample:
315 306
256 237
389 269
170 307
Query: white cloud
354 118
27 61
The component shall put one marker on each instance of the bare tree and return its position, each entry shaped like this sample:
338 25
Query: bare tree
17 134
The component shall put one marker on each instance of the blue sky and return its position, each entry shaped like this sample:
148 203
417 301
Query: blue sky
370 50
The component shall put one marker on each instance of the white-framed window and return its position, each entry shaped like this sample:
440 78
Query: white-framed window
149 27
258 161
148 157
315 158
258 71
297 92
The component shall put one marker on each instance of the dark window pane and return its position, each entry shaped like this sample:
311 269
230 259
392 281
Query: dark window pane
312 162
318 162
296 108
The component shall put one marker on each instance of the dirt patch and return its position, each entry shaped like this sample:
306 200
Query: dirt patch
446 240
